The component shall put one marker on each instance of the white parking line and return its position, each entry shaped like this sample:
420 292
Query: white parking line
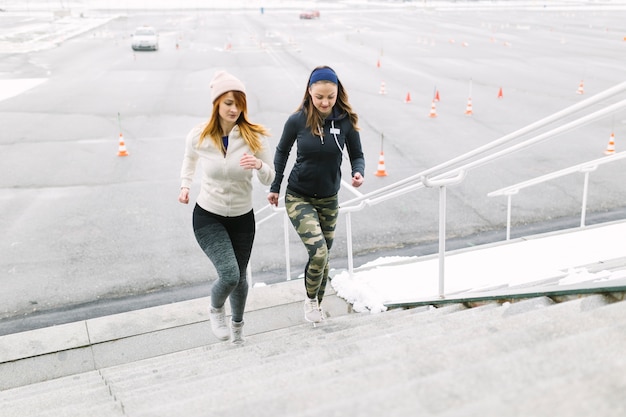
14 87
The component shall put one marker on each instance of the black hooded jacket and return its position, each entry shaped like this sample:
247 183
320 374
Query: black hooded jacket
317 170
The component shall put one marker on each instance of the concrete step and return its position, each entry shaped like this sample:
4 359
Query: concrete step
326 355
225 357
558 363
431 361
78 395
280 345
509 385
176 363
561 395
72 348
353 376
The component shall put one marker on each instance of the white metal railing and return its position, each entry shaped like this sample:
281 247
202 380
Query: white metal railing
455 170
585 168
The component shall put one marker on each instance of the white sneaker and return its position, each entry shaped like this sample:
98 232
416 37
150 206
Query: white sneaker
236 332
312 311
322 313
218 323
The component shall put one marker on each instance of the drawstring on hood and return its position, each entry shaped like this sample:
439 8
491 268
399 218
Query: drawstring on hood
332 117
334 133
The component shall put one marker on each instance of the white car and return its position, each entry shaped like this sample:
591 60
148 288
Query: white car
145 38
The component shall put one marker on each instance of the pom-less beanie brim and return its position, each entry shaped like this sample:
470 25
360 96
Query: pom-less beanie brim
224 82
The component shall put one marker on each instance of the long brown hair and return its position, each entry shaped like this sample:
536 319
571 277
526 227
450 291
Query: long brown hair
314 117
250 132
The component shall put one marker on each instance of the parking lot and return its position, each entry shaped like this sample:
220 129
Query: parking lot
82 226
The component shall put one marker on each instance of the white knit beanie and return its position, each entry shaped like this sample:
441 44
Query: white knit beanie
224 82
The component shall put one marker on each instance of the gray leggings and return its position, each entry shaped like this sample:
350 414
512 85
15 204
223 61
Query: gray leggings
227 241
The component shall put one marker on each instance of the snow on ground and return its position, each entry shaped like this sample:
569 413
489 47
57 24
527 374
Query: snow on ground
560 256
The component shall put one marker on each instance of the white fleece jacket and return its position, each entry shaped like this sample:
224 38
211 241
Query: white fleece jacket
226 188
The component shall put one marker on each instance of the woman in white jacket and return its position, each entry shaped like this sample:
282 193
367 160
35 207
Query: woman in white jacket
230 147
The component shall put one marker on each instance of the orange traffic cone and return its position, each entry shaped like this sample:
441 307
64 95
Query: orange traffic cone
378 63
610 149
500 93
408 97
382 88
581 89
437 95
468 108
122 147
381 166
433 110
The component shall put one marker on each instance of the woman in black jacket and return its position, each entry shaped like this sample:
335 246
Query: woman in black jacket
323 125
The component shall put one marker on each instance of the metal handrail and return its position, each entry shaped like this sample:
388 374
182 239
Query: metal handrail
585 168
455 169
441 168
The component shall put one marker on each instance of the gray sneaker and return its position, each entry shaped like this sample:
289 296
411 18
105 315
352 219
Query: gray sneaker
312 310
236 332
218 323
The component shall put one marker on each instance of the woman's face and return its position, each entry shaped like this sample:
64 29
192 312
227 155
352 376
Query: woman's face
228 110
324 96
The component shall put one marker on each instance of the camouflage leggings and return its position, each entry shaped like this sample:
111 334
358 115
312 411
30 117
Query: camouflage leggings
314 220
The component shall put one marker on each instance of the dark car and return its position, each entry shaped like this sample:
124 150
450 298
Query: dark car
310 14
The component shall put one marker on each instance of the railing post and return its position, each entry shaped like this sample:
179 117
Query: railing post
349 239
509 199
442 184
442 238
286 237
583 210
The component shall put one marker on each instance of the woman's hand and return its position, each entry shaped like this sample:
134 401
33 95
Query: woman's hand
183 197
357 180
250 162
273 199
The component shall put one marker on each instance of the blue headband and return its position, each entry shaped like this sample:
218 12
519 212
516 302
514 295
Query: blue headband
323 74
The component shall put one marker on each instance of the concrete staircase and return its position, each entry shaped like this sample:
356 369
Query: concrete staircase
533 357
